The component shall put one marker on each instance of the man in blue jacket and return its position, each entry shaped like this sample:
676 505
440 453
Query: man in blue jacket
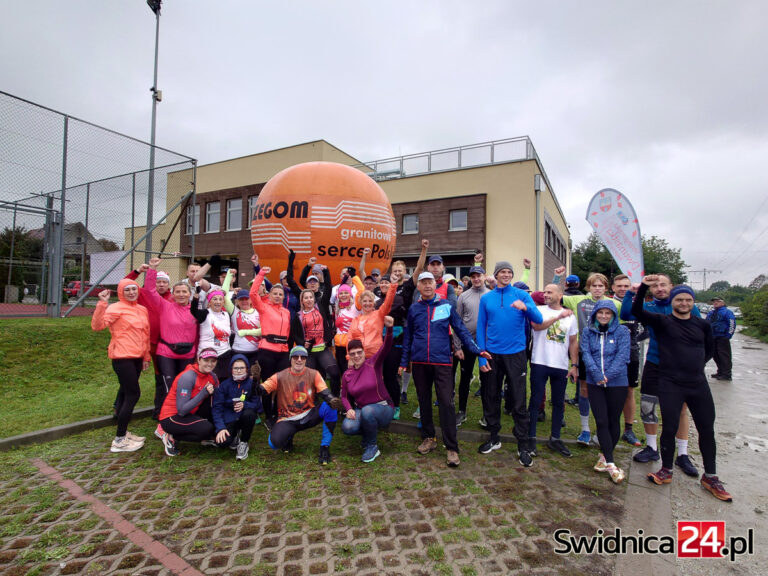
501 321
427 346
723 327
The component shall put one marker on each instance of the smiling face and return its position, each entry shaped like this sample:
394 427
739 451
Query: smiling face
276 294
603 316
369 284
356 357
307 300
131 292
384 286
367 303
344 296
426 288
244 303
661 288
552 294
216 303
181 294
476 279
620 287
504 277
298 363
206 365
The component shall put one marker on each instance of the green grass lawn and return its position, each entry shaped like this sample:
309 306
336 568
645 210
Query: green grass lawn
56 371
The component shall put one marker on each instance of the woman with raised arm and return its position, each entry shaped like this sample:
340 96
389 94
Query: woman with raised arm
368 326
178 332
275 330
215 327
245 321
128 323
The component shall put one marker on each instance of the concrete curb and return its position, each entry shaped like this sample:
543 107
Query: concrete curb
58 432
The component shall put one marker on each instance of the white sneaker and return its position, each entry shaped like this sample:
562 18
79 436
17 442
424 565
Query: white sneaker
601 466
134 437
124 444
616 473
159 432
242 451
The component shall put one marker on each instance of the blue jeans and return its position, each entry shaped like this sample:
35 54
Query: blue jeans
558 378
367 422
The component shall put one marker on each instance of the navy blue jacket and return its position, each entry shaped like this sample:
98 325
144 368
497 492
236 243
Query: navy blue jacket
605 353
723 322
223 398
427 336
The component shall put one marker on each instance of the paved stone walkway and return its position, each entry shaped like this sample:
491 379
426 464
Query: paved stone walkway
283 514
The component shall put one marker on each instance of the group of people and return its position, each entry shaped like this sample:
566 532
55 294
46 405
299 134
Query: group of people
305 353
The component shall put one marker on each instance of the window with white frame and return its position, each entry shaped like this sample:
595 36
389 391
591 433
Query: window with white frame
235 214
251 209
193 219
410 223
212 211
458 220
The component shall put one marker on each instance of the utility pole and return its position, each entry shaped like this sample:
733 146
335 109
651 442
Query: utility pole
157 96
704 273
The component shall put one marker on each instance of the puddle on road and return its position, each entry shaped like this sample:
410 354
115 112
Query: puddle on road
754 442
751 348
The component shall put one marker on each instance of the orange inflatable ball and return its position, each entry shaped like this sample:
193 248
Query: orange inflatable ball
326 210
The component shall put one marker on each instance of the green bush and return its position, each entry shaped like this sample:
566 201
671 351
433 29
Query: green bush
755 311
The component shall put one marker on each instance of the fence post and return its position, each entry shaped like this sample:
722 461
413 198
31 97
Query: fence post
57 271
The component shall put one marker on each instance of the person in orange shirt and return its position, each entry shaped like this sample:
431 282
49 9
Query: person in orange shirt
128 323
368 327
296 388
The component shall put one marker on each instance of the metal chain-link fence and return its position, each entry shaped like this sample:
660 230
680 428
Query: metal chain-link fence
74 200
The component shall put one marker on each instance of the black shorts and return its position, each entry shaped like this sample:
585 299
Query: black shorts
650 381
633 370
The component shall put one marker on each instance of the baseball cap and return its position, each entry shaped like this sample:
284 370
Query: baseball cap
313 277
242 294
572 279
435 258
376 272
426 276
207 353
476 270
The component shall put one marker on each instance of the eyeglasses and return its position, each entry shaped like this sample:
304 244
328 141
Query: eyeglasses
356 353
239 369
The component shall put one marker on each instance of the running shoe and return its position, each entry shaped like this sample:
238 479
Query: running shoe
452 459
371 453
572 401
601 465
713 484
685 464
558 446
417 414
483 423
616 473
584 438
630 438
663 476
125 444
532 447
324 456
489 446
404 398
396 415
159 432
242 451
235 442
426 446
479 393
524 457
647 454
170 445
461 417
132 436
209 443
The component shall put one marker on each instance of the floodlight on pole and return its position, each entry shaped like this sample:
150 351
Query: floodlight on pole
154 5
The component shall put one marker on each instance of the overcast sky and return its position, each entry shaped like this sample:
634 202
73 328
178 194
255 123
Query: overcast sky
664 101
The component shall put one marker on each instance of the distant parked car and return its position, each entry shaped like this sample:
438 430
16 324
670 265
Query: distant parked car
74 289
736 311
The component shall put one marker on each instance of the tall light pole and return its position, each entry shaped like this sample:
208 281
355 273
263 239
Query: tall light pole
157 96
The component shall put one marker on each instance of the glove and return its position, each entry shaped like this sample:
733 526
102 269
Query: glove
352 271
215 261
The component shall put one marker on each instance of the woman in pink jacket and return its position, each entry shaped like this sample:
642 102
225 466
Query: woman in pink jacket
128 323
178 332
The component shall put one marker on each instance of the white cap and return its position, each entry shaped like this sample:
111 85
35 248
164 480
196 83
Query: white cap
426 276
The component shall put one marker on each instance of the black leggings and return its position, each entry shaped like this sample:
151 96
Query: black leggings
192 427
325 363
169 368
607 404
698 397
271 363
391 379
222 366
341 359
128 372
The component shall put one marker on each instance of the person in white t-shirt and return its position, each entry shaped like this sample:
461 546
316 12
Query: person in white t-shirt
555 341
